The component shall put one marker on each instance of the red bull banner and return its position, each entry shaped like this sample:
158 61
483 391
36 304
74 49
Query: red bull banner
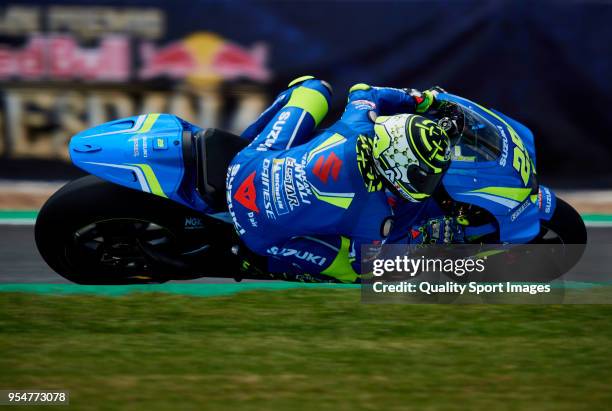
51 43
66 65
200 58
64 68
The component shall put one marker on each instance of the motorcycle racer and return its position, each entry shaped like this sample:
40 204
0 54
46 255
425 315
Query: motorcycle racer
311 200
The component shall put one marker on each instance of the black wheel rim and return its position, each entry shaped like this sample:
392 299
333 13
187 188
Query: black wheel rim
115 247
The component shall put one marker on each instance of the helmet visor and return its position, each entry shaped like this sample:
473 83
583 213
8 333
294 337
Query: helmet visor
423 182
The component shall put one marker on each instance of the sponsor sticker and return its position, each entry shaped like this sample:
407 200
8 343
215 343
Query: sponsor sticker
273 134
136 149
278 194
145 147
193 223
252 219
160 143
364 105
267 188
520 210
288 184
229 180
548 201
301 180
300 254
504 156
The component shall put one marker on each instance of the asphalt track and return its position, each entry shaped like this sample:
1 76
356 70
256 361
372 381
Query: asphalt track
21 263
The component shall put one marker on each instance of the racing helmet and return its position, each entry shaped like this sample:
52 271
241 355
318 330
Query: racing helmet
411 153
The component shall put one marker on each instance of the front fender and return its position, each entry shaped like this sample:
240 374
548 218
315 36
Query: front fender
547 201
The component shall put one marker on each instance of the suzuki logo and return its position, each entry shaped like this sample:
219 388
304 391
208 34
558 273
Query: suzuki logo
323 167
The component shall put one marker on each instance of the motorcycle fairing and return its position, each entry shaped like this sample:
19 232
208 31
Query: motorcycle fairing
147 153
498 186
143 153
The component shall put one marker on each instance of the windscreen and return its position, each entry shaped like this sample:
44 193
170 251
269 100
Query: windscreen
479 140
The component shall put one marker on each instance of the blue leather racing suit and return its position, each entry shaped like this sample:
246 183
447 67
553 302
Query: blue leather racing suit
310 200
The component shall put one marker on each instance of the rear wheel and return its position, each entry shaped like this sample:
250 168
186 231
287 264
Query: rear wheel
95 232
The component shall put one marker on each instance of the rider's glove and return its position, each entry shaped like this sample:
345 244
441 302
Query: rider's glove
426 100
443 230
423 100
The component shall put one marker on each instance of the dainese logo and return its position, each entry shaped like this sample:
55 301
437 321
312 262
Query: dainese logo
246 194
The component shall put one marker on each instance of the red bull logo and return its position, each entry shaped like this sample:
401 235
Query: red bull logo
59 57
201 59
204 58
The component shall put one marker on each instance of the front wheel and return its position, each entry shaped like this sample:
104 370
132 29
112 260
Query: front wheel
566 233
95 232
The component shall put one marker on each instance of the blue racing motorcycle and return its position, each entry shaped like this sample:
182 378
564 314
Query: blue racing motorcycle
154 207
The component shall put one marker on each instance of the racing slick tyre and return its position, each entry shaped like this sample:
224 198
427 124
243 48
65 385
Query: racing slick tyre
94 232
552 253
566 235
565 226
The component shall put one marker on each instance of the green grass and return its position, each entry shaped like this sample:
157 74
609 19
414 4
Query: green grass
305 350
